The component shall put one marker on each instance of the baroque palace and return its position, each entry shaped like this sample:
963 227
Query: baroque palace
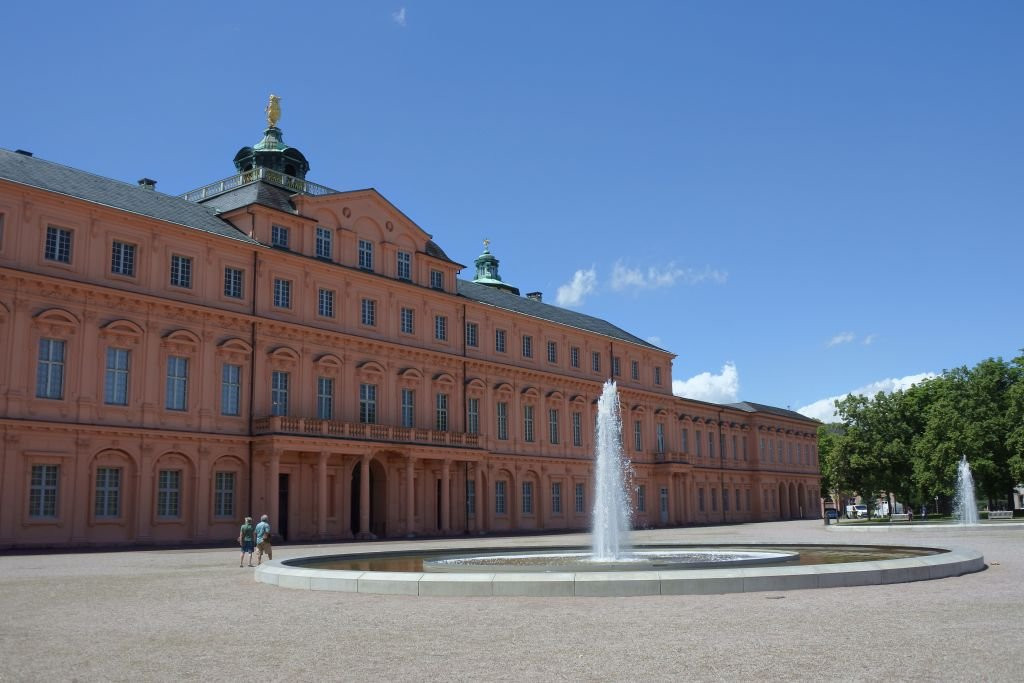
265 344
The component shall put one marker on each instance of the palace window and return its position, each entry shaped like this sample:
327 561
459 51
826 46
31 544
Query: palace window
168 501
657 376
595 361
527 346
365 255
472 334
50 369
368 403
616 366
181 271
177 383
527 497
115 385
436 279
324 242
108 492
634 370
700 499
686 441
230 389
499 497
325 398
404 266
408 408
407 321
325 303
42 493
659 430
711 444
473 416
725 500
528 423
368 312
279 393
697 440
641 498
279 236
556 497
282 293
574 356
441 413
552 352
502 413
638 436
122 259
441 327
577 429
580 500
224 494
58 245
233 283
735 449
499 341
553 426
470 498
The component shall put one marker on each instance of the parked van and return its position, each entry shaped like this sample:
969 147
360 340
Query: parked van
856 511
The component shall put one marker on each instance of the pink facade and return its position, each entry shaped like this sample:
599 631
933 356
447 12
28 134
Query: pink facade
171 365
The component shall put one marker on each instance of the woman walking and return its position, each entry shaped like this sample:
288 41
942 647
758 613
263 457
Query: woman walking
245 540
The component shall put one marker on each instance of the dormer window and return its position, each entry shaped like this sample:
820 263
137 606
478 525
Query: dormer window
436 279
279 236
366 255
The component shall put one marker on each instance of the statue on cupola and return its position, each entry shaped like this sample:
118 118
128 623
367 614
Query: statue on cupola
271 152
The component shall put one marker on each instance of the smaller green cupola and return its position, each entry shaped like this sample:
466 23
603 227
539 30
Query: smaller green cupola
271 152
487 271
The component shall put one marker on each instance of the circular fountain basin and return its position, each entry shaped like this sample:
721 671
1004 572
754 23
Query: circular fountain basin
517 572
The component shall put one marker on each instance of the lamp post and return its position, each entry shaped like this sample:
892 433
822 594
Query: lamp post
936 505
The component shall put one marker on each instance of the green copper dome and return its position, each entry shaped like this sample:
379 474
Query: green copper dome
487 271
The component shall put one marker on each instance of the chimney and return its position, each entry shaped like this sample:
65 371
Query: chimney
23 152
535 296
147 183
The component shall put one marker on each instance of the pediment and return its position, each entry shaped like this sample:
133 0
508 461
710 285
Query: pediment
369 214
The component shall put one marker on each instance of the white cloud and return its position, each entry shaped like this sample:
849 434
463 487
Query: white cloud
721 388
399 17
825 410
869 339
583 282
655 277
841 338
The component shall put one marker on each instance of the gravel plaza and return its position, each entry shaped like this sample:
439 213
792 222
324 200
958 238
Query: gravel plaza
194 614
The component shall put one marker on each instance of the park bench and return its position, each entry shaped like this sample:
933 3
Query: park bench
1000 514
899 518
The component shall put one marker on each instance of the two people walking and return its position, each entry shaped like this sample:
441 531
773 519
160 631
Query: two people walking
258 537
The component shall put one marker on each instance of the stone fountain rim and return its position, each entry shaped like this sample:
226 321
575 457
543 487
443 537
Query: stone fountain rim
950 561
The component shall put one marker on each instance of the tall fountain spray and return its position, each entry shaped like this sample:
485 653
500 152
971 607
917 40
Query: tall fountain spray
610 536
965 507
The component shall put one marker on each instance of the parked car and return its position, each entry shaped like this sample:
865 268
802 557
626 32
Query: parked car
856 511
832 513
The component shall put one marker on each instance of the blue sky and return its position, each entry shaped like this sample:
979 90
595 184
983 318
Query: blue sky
799 199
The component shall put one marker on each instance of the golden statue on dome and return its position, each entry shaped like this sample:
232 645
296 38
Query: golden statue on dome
273 111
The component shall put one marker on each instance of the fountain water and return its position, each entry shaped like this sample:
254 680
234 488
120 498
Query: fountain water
610 535
965 506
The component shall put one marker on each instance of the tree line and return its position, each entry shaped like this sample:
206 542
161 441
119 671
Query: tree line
910 442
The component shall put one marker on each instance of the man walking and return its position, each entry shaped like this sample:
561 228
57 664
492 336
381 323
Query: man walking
263 546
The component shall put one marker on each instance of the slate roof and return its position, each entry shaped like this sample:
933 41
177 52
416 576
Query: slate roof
537 309
46 175
749 407
259 192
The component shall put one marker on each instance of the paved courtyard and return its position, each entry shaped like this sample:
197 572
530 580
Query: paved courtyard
194 614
